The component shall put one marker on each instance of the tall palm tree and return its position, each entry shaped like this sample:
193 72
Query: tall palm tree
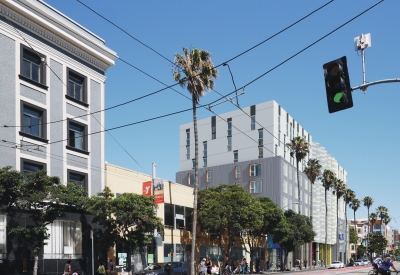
328 178
194 71
300 148
312 171
348 197
355 204
368 201
339 190
373 217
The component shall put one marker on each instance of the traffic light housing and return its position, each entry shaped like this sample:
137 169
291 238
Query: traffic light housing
337 85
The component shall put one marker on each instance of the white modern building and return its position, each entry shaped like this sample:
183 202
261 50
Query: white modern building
52 76
330 163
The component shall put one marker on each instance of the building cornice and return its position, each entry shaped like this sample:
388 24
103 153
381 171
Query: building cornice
55 39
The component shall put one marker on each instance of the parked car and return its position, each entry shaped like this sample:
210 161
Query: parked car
336 264
358 262
366 262
158 269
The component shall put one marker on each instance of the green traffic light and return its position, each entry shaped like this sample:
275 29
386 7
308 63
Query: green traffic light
338 96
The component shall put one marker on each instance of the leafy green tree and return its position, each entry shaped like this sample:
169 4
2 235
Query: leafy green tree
377 243
312 171
355 204
353 235
361 250
195 72
328 178
43 200
339 189
299 231
128 220
228 209
10 189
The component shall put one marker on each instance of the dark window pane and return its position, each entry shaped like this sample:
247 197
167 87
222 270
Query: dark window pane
35 128
26 69
26 122
168 214
78 92
35 72
77 178
71 86
31 168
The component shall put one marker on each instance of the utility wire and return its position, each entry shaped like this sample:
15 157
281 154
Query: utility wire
280 64
67 90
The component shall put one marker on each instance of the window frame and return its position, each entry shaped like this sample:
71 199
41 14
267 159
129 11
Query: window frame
236 156
85 179
260 152
43 131
208 176
189 179
84 91
204 148
235 172
42 68
229 130
32 162
205 162
252 122
254 172
85 137
229 145
255 187
187 152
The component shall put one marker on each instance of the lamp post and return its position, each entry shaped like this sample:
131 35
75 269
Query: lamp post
237 100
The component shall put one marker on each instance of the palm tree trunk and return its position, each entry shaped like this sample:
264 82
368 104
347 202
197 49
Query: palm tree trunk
326 229
347 237
370 258
311 216
337 228
196 187
299 206
35 266
355 229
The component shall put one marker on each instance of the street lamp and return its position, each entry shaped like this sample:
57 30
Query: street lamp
237 99
296 202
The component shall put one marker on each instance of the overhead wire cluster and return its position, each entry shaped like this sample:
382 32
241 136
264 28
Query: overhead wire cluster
171 86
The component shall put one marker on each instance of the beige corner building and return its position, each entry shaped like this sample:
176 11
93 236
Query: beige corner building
175 205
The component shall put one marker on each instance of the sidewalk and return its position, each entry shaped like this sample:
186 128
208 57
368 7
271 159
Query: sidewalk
295 271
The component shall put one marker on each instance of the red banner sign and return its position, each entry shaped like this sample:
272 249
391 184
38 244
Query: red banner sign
146 188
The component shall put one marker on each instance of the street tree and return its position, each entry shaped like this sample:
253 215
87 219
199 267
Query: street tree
348 197
355 204
10 189
43 199
373 217
194 71
227 210
328 178
312 171
368 201
383 214
299 231
339 190
353 235
377 243
128 220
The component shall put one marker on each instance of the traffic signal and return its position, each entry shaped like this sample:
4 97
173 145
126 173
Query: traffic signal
337 84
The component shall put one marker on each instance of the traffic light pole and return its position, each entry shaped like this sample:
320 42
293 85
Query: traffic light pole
364 86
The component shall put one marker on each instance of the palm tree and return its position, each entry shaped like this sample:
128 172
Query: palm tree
381 211
368 201
300 148
373 217
195 72
355 204
328 178
312 171
348 197
339 191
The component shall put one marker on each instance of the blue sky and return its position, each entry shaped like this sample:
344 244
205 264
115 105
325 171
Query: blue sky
362 139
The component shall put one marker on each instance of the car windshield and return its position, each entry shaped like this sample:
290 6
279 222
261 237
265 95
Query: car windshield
154 267
336 262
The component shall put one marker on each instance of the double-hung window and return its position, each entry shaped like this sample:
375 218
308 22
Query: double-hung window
32 120
253 123
33 70
78 178
255 186
190 179
235 156
255 170
76 87
208 176
77 136
229 120
260 137
238 172
213 127
229 146
30 166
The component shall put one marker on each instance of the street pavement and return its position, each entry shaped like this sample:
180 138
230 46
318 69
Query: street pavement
354 270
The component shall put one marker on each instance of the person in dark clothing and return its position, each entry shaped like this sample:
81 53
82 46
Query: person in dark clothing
228 262
169 269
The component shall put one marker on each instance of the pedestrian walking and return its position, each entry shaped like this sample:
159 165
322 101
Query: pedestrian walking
208 264
75 272
169 268
101 270
313 263
268 266
111 266
67 268
243 264
305 264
